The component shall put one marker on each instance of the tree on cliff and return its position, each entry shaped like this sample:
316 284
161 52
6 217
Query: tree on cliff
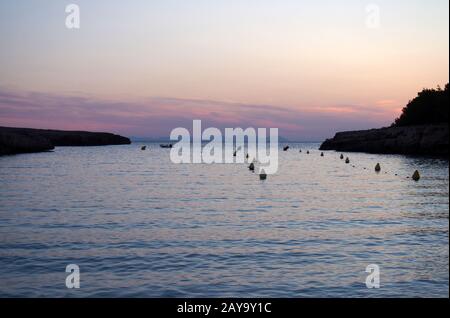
429 107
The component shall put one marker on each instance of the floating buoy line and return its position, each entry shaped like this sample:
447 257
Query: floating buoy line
416 175
378 169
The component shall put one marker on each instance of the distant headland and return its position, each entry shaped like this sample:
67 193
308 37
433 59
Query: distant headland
28 140
422 129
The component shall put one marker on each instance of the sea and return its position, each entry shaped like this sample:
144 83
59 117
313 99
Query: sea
137 225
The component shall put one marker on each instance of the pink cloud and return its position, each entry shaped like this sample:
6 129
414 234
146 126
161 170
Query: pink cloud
158 116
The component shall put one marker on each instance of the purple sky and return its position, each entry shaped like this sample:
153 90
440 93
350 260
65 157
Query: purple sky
156 117
142 68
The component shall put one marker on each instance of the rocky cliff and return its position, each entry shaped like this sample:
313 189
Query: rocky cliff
24 140
421 140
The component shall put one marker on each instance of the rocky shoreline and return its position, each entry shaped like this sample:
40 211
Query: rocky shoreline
28 140
412 140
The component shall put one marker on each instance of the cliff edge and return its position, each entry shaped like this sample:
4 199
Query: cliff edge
26 140
414 140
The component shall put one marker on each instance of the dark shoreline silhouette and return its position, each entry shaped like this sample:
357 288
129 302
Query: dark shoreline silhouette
411 140
421 129
28 140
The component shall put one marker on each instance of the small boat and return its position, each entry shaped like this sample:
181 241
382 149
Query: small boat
286 148
166 145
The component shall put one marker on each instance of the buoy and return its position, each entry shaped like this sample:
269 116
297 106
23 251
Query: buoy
378 167
347 160
286 148
416 176
143 147
251 167
322 154
342 156
262 175
236 150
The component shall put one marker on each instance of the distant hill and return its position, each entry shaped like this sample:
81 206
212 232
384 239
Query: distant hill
149 139
281 139
25 140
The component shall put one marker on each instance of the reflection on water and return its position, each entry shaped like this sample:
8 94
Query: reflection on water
138 225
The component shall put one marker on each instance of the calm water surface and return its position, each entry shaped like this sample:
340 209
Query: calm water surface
139 226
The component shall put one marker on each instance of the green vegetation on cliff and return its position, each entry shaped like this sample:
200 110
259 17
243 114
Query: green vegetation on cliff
429 107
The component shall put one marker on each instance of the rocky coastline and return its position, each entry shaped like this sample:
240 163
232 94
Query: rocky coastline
28 140
410 140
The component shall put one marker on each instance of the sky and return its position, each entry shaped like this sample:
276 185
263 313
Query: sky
143 67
